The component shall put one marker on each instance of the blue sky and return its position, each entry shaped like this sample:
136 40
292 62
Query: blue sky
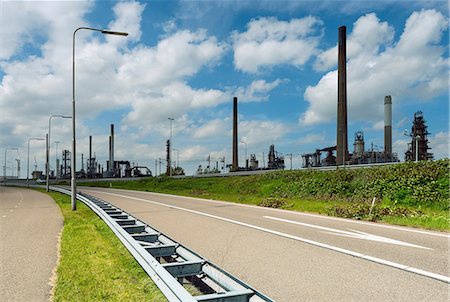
187 59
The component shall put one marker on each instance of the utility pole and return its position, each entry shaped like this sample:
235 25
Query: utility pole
18 167
264 160
290 158
170 147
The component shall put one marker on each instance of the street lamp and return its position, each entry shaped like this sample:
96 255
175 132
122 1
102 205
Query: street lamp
73 168
47 162
245 153
4 167
28 157
170 146
417 138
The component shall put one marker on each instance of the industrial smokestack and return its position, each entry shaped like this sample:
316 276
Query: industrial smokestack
388 126
111 156
235 163
342 137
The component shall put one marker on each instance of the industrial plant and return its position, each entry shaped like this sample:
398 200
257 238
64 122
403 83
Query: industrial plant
337 155
274 160
418 148
114 168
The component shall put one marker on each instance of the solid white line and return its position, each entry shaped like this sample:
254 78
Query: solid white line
371 224
312 242
353 234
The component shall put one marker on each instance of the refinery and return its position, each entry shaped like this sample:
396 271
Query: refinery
337 155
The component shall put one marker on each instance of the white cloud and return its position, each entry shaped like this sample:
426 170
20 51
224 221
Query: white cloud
165 63
368 35
110 74
128 18
379 125
261 133
172 100
212 128
439 144
23 23
268 42
257 91
194 152
413 66
313 138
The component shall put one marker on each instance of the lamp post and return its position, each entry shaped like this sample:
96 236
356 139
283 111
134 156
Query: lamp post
417 138
4 167
170 146
28 157
245 159
73 167
47 162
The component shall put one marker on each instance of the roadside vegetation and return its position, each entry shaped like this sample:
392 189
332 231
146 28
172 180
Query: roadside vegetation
94 265
411 194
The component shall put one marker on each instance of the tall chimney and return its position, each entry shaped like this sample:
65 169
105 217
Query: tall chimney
111 156
388 126
235 163
341 140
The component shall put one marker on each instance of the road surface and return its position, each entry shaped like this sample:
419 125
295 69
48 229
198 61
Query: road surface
296 256
30 222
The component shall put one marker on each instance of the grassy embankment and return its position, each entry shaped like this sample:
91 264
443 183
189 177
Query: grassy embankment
94 265
411 194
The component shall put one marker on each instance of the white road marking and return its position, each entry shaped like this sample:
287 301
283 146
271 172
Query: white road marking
378 225
312 242
352 234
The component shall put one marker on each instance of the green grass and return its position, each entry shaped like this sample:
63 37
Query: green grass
410 194
94 265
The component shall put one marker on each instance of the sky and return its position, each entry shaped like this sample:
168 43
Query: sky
186 60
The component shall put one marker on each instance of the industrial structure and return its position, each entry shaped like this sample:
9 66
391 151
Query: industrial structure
388 126
336 155
275 161
341 138
235 162
418 148
115 168
359 155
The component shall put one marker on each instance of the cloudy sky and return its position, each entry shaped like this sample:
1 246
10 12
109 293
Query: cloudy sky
187 59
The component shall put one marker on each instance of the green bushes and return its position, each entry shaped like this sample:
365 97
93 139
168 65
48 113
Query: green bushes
407 193
412 184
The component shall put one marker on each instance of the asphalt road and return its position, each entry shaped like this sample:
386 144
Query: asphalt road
300 257
29 226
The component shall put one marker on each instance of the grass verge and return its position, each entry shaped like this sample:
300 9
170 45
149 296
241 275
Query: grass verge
409 194
94 265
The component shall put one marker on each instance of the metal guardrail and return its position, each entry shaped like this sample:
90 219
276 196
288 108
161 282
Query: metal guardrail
169 264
